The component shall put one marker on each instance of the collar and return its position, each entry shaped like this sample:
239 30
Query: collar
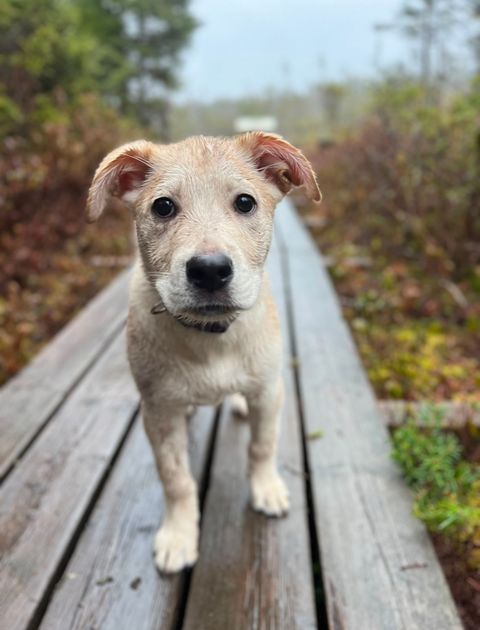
209 327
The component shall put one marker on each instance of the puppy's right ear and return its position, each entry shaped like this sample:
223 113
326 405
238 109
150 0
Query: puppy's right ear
120 174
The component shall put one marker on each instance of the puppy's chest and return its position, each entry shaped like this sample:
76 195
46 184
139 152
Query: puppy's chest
209 382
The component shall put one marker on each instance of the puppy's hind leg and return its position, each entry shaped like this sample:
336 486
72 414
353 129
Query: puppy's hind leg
269 494
176 542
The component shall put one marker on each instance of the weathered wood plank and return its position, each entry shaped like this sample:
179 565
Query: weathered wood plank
30 398
452 415
379 567
254 572
44 501
111 581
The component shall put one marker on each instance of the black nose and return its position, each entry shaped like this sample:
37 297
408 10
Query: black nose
210 271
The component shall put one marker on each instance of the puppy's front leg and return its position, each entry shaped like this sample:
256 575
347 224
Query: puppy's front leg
269 493
176 542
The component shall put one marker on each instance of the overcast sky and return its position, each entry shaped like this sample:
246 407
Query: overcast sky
245 46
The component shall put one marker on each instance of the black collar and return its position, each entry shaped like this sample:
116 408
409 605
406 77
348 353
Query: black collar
210 327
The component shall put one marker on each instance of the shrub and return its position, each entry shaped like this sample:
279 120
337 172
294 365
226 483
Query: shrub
400 225
417 168
45 246
446 486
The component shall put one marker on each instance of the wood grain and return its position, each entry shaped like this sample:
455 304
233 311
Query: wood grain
29 399
44 501
111 581
379 567
452 415
254 572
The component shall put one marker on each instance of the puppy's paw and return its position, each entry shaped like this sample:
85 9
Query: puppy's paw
269 495
175 549
239 406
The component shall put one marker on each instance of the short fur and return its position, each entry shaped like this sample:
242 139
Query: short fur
174 364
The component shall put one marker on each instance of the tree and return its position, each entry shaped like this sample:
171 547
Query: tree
125 51
43 49
432 23
475 6
147 36
104 19
333 95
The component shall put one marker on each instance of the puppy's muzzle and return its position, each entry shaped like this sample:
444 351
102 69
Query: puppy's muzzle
210 272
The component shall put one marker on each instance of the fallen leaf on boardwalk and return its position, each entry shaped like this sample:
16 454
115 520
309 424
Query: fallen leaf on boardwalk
106 580
135 583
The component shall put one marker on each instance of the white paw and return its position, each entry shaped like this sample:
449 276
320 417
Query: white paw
239 405
175 549
269 495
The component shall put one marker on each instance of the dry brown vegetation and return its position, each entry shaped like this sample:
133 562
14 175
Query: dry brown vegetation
400 227
51 262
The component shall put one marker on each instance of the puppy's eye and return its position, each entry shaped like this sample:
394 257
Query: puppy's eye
245 204
163 207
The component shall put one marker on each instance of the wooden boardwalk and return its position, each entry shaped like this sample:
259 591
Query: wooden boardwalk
80 499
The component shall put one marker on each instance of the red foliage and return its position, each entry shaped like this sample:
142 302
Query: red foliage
400 225
45 247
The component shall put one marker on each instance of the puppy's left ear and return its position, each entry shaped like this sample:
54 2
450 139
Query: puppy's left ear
280 162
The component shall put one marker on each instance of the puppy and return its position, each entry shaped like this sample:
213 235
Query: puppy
202 324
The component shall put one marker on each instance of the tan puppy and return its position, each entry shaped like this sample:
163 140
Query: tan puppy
202 324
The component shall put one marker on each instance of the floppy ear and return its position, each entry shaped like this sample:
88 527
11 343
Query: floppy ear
120 174
280 162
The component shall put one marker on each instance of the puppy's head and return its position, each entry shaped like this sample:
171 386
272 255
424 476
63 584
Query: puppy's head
203 210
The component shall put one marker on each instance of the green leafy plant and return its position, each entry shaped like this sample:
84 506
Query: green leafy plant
446 486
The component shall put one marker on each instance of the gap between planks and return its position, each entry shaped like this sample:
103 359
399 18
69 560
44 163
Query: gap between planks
110 581
319 590
45 500
254 572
